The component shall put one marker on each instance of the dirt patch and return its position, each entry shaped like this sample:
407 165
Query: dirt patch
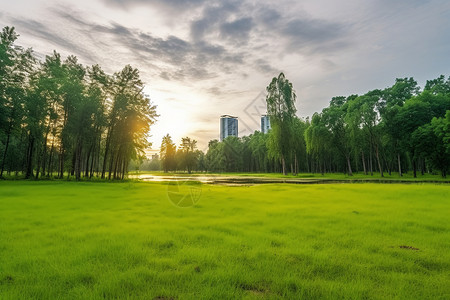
8 279
253 289
409 247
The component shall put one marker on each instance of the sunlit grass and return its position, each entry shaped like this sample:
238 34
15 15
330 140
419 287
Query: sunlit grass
68 240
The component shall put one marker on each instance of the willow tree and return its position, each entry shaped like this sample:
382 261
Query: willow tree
281 111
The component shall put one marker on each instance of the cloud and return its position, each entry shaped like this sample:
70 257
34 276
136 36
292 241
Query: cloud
171 57
237 30
314 36
310 30
213 15
42 31
268 16
264 66
180 5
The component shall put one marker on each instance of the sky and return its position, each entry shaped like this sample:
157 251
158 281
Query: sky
202 59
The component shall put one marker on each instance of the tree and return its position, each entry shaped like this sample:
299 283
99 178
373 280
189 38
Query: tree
189 155
167 152
232 154
438 85
298 144
129 121
363 118
64 116
431 142
334 120
416 112
215 160
281 110
391 101
16 66
318 142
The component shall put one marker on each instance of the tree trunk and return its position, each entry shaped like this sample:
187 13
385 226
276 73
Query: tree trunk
296 165
42 157
107 150
29 171
50 158
378 161
6 148
38 166
399 165
422 167
79 150
349 165
61 161
363 162
88 157
283 164
414 168
74 160
116 164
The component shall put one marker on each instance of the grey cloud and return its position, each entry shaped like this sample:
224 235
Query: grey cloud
264 66
183 60
234 21
212 16
327 64
170 58
220 39
214 90
42 31
164 75
238 29
268 16
314 34
179 4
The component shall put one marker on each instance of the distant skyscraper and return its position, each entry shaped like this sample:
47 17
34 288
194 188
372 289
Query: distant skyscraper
265 124
228 126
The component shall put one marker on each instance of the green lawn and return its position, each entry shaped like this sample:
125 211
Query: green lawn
68 240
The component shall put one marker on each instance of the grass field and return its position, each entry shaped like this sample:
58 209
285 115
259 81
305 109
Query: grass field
68 240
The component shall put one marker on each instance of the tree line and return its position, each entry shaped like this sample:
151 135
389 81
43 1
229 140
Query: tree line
397 129
60 118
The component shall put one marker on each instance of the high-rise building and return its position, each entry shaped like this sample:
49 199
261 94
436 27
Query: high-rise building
265 123
228 126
